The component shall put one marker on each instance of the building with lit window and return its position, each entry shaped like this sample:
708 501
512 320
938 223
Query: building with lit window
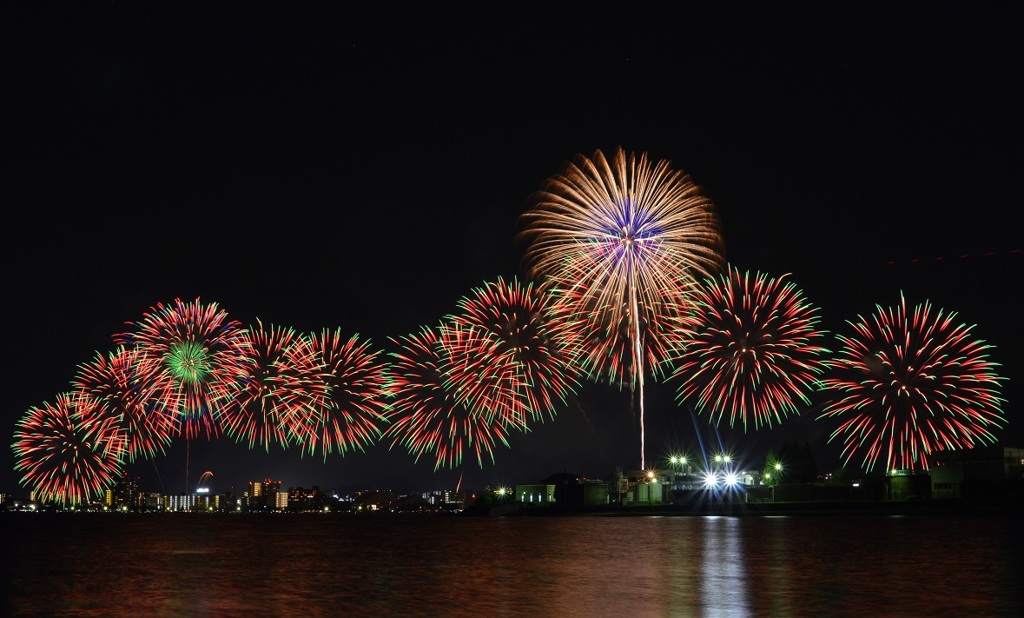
539 494
126 494
263 495
976 472
301 499
152 501
181 503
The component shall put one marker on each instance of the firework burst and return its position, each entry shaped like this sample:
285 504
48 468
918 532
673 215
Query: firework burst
66 451
754 351
192 358
427 415
113 387
349 412
625 242
280 385
909 383
512 352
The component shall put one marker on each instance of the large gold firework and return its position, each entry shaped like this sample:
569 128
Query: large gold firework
623 242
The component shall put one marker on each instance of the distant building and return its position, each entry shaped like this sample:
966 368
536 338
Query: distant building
125 495
152 501
445 500
301 499
181 503
263 495
535 494
563 490
972 473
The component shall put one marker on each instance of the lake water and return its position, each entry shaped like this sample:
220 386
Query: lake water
431 565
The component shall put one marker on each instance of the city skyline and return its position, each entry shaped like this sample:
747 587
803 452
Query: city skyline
310 173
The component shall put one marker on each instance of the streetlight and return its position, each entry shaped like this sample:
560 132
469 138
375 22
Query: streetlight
778 477
680 465
677 460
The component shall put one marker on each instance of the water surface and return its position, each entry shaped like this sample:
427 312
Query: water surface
430 565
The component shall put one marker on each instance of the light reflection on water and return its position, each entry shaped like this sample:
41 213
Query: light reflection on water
317 565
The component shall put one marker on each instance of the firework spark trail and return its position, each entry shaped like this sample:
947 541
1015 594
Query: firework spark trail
625 242
909 383
756 351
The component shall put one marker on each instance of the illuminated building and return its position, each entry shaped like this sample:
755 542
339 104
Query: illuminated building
263 495
180 503
300 499
536 493
152 501
126 494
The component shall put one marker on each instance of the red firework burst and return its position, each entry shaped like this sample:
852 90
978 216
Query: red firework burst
909 383
512 353
113 387
192 359
67 452
753 349
427 415
350 402
280 384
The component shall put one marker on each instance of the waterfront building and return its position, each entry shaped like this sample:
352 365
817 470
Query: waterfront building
538 494
301 499
262 495
975 472
181 503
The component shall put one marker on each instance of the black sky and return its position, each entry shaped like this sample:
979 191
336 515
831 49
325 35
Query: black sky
364 169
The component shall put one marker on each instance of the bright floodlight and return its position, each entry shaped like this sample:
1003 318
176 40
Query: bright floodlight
710 479
730 479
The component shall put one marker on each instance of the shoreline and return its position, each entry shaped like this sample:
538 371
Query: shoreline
930 508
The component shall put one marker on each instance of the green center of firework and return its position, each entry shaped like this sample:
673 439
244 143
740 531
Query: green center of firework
190 362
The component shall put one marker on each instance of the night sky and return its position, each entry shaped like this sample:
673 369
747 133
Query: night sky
365 170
